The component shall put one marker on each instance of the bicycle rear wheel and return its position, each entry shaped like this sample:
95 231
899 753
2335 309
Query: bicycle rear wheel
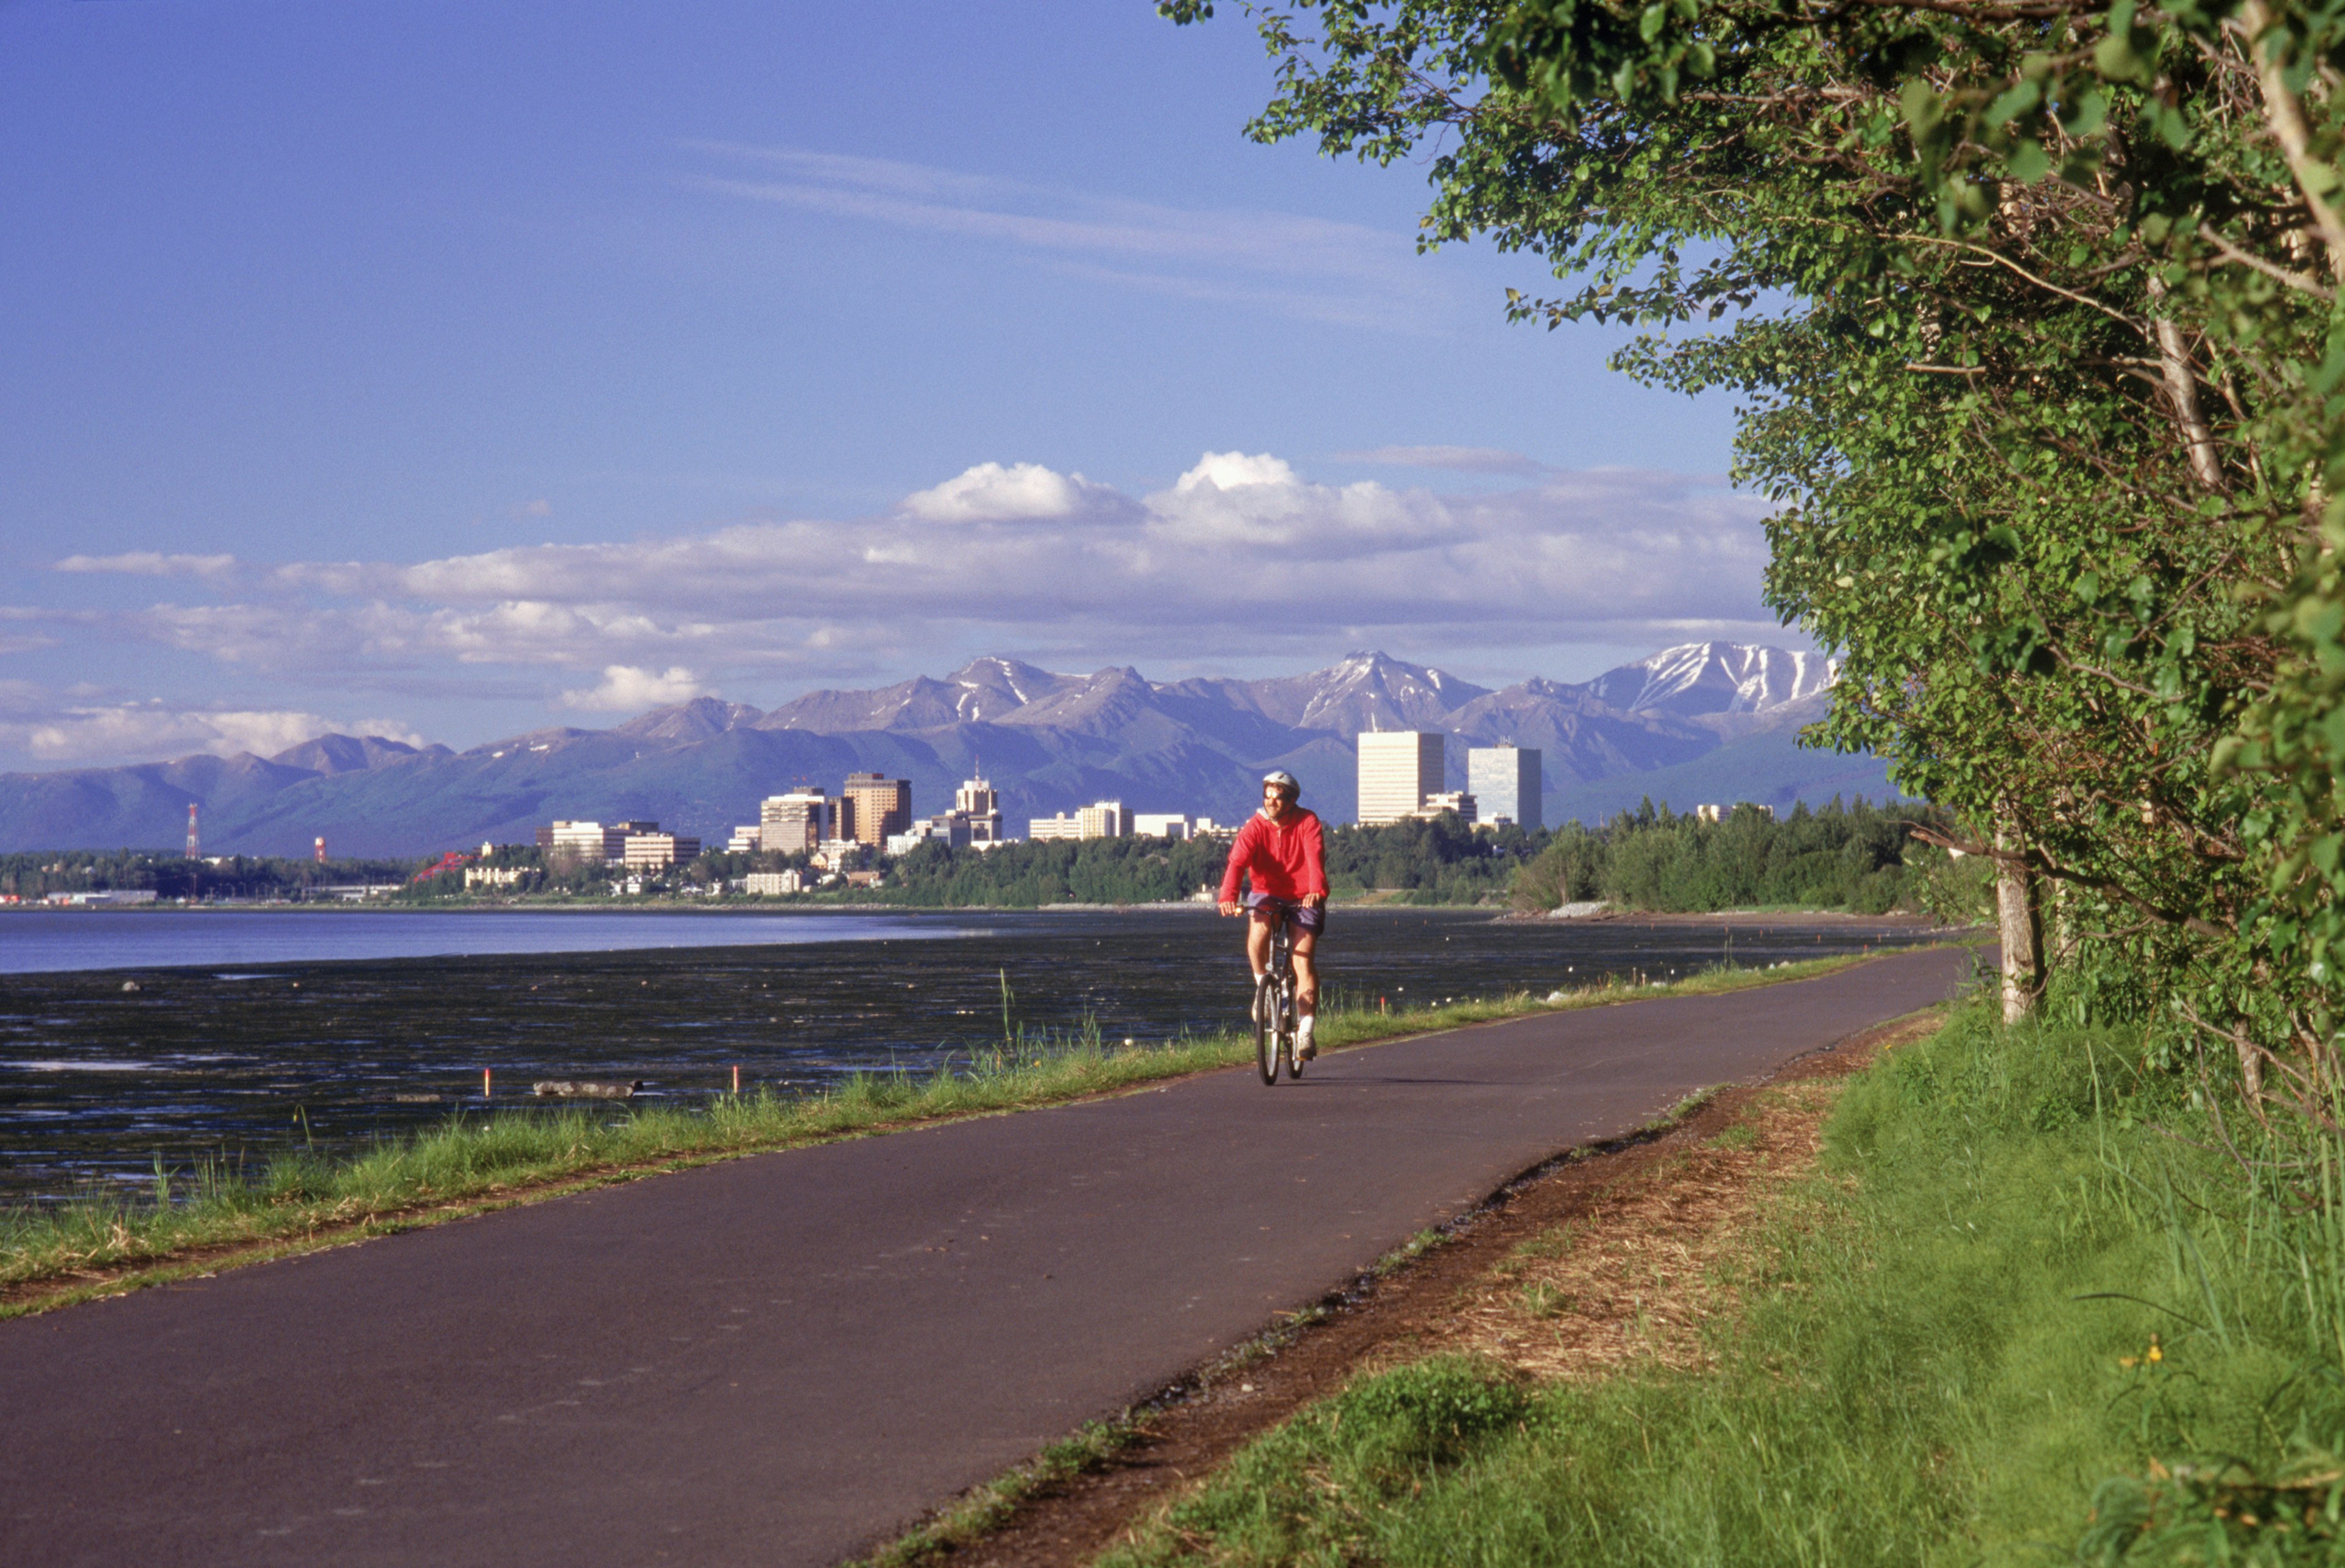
1265 1031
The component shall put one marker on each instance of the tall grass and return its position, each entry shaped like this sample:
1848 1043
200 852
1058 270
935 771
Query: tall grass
481 1159
2039 1306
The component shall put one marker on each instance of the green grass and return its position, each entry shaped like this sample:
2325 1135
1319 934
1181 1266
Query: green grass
1944 1357
104 1244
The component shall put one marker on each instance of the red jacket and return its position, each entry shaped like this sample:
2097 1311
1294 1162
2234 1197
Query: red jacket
1287 858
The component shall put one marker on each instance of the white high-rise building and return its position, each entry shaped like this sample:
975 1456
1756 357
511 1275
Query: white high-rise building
1508 783
1398 769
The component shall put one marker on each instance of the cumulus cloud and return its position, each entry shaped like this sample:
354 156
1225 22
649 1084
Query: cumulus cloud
152 563
1239 558
627 689
990 492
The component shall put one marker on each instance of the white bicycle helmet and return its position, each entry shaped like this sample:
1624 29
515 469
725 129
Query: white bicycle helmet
1279 778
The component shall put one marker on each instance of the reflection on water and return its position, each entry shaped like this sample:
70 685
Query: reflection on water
96 1080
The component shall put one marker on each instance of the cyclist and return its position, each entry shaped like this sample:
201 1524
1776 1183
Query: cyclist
1280 851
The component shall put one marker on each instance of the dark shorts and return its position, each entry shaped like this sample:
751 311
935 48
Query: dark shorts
1304 916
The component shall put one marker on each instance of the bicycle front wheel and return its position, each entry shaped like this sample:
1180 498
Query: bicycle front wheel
1265 1033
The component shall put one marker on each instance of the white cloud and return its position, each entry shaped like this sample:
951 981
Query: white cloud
152 563
1241 555
121 732
990 492
626 690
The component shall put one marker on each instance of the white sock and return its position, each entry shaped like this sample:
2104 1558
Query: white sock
1303 1031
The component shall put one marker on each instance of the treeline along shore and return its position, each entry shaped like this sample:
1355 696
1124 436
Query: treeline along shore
1854 856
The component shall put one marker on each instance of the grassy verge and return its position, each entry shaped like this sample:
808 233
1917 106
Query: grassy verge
213 1216
2036 1306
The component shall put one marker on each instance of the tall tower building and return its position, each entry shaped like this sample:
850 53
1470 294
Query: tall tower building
321 851
793 823
872 805
1398 769
1506 782
981 803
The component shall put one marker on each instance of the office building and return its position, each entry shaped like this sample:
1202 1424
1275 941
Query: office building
871 807
981 803
594 843
1160 825
653 851
1041 829
1460 800
1506 781
794 823
1103 819
946 827
1398 768
747 839
772 884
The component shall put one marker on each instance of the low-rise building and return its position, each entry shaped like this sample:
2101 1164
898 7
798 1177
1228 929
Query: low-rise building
747 839
1720 812
838 854
652 851
1041 829
772 884
1456 800
948 827
494 875
594 843
1160 825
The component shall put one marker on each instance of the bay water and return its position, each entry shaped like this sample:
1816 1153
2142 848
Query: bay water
132 1036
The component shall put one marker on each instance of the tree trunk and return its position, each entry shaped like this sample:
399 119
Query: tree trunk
2182 393
2022 921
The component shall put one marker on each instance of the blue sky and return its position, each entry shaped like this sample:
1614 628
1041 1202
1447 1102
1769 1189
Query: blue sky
451 369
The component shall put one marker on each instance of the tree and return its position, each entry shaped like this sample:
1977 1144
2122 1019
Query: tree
2029 305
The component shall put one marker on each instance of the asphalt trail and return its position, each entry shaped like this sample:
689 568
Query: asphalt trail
778 1360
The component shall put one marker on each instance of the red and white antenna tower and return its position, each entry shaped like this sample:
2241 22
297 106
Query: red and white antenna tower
321 850
194 845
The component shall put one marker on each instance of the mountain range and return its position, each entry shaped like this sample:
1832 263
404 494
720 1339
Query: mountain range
1704 722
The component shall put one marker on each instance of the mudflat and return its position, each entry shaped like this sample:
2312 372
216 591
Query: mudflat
783 1358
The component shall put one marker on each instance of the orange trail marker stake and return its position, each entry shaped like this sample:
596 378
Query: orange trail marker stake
737 1077
484 1083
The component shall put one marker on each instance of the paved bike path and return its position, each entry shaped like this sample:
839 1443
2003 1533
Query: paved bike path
778 1359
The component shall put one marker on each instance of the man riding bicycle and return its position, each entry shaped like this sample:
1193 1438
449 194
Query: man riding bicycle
1281 852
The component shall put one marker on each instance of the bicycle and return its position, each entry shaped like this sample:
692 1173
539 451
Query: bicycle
1275 1032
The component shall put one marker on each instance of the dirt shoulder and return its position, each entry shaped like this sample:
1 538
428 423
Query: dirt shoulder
1605 1256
